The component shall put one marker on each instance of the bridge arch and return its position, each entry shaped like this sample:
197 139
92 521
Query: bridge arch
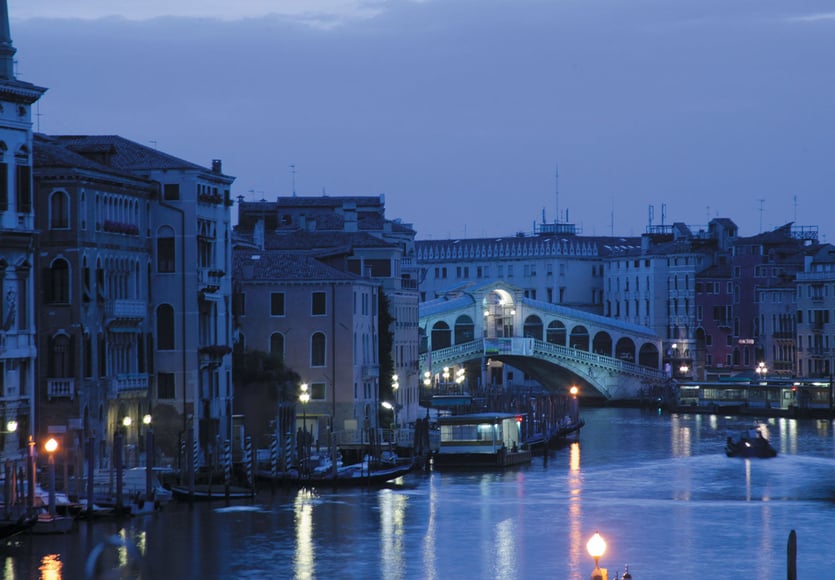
441 336
579 337
532 327
625 349
464 329
602 343
506 339
649 356
556 333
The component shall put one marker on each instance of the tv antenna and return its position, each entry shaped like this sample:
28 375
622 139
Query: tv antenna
293 178
556 191
762 209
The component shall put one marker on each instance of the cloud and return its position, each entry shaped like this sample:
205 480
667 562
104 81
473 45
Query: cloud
313 12
819 17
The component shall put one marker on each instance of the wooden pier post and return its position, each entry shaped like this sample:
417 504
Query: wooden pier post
791 571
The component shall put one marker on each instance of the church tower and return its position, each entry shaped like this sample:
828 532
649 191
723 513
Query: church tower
17 252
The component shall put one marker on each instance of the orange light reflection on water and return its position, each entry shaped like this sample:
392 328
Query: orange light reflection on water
51 567
575 488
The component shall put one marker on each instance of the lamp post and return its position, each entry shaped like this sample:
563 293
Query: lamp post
762 371
304 397
51 446
460 374
126 423
395 385
575 410
596 547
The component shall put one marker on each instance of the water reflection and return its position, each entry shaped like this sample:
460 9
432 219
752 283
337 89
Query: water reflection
505 549
787 429
51 567
681 437
392 546
305 556
575 512
429 547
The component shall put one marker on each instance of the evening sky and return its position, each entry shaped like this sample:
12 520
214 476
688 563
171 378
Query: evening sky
461 111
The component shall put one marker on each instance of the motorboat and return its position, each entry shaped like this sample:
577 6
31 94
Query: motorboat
480 441
749 443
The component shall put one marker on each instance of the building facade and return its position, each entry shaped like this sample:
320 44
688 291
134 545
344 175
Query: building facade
18 243
352 235
93 309
158 266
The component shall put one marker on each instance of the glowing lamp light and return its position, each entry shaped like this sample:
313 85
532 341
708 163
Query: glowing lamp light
126 421
146 419
573 390
51 446
596 547
11 426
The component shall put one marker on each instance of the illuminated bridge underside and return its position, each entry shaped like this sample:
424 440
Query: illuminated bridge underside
553 366
556 345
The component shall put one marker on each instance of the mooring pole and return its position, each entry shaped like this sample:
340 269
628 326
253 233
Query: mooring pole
791 572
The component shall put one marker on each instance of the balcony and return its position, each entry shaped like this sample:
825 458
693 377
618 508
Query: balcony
125 312
136 383
60 388
370 371
209 283
213 354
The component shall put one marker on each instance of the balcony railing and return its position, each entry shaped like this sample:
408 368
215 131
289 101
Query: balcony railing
60 388
125 310
128 382
370 371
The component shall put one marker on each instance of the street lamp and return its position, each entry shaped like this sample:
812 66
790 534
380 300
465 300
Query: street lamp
148 440
304 397
459 377
395 385
126 423
51 446
597 547
762 371
11 426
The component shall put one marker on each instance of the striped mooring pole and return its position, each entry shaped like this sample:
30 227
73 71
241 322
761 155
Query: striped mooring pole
248 461
288 452
196 455
227 462
274 456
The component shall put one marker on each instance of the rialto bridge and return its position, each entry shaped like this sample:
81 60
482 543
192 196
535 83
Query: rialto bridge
479 334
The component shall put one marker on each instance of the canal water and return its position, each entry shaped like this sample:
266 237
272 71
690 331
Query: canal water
657 487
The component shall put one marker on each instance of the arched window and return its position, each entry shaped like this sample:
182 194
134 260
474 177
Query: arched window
317 350
464 329
60 360
59 211
441 335
58 282
165 327
166 261
556 333
277 344
533 327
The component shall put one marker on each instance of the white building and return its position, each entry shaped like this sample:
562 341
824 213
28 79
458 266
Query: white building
17 246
